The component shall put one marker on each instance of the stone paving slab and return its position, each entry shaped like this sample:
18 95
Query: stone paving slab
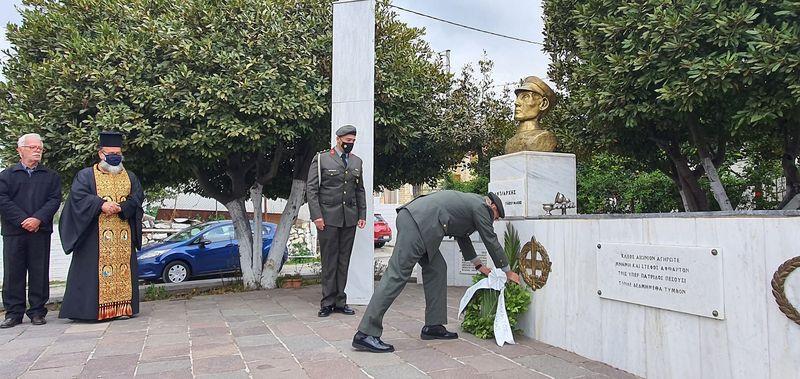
273 334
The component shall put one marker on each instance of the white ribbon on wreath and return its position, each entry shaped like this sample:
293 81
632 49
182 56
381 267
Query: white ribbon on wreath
496 281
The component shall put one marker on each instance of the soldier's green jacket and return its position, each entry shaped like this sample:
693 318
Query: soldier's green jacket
337 194
458 215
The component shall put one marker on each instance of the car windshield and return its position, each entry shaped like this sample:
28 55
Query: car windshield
378 217
186 234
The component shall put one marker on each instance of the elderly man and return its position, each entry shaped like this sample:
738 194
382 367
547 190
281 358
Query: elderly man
421 226
102 225
337 203
29 197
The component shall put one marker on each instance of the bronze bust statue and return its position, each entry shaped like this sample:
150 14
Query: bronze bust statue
534 100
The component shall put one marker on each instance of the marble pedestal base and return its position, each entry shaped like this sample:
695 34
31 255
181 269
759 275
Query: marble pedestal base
528 179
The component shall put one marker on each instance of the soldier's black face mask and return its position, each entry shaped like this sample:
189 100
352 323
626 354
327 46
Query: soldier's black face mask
347 147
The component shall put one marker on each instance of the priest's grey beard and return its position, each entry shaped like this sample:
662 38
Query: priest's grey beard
111 169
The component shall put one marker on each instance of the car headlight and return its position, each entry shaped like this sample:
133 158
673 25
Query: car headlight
153 253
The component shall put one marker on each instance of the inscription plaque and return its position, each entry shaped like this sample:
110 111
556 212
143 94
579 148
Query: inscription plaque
679 278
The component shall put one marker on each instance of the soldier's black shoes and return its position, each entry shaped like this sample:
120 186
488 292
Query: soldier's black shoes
10 322
436 332
325 311
374 344
38 320
345 310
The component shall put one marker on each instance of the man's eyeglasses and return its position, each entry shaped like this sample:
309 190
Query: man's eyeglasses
33 148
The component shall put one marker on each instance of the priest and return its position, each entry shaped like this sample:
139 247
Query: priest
101 225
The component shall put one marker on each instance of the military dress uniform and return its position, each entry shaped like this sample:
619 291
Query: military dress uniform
336 194
421 226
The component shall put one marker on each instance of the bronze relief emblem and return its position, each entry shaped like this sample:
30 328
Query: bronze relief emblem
535 264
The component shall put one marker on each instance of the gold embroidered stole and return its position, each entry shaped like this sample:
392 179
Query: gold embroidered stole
114 269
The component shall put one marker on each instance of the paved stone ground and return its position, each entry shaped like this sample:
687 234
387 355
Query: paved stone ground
272 334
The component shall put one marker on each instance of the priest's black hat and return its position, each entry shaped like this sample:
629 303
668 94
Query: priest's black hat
110 139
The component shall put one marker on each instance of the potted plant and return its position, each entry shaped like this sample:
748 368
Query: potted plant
293 280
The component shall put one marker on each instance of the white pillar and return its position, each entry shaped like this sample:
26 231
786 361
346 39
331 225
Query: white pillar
352 102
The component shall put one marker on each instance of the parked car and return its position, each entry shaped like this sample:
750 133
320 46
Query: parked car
203 249
383 233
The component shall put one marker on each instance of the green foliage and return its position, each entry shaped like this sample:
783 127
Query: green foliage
211 94
512 246
153 292
479 184
667 83
612 184
482 115
479 313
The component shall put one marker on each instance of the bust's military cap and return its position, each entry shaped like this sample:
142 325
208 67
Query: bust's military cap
345 130
534 84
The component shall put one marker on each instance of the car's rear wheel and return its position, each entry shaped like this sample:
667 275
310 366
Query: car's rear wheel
176 272
379 245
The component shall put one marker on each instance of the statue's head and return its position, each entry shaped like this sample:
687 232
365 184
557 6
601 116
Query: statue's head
534 99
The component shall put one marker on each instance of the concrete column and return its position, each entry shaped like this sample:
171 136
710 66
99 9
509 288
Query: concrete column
352 102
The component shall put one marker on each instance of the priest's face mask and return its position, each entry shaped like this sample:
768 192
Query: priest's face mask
111 155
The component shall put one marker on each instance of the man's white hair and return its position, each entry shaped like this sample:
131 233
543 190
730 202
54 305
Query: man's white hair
21 140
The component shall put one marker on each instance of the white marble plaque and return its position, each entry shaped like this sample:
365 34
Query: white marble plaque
513 195
468 268
678 278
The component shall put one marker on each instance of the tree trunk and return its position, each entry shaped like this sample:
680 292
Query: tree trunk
791 148
241 226
289 216
716 184
703 151
256 192
693 197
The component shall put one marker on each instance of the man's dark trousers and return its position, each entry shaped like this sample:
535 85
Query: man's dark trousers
26 254
336 246
409 249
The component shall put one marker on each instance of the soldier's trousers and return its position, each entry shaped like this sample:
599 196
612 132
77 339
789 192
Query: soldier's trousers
336 246
408 250
28 254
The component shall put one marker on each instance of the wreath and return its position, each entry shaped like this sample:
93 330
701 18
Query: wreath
778 290
480 312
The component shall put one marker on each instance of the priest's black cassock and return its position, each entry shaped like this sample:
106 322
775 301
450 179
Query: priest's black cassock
103 277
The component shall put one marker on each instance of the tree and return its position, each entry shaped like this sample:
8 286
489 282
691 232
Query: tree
669 83
482 112
230 99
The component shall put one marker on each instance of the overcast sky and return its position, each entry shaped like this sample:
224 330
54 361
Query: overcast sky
513 59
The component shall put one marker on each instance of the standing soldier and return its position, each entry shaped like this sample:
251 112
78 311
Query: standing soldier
29 197
337 203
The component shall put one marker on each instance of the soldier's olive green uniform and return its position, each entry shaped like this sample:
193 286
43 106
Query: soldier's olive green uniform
421 226
336 194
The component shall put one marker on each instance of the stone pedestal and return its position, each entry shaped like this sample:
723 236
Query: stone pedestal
528 179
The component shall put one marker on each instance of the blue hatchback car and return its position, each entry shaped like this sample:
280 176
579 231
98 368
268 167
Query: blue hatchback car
203 249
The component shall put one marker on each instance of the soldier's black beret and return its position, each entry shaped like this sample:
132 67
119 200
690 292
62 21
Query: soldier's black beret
345 130
497 202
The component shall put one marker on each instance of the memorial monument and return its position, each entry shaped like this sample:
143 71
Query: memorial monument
531 177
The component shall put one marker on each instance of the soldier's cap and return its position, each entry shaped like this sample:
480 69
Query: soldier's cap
345 130
497 202
534 84
110 139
